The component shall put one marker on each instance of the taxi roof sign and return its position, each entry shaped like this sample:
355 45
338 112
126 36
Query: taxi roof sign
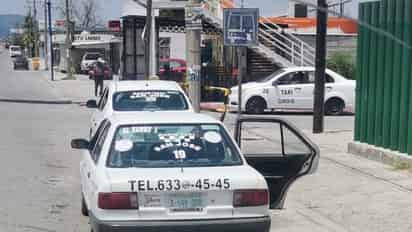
241 26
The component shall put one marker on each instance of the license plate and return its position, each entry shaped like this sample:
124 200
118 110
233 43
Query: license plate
186 202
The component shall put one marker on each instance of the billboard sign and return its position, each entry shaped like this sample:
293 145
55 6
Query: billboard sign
241 26
114 25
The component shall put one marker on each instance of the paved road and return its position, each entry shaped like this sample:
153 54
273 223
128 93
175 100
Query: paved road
40 180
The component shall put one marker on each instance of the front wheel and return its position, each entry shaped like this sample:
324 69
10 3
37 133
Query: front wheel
256 105
334 106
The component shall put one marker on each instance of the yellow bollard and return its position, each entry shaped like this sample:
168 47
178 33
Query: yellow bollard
35 62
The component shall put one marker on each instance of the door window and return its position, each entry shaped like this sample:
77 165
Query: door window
312 78
278 151
96 135
100 141
294 78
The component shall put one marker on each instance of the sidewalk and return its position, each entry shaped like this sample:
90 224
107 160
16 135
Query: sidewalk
80 89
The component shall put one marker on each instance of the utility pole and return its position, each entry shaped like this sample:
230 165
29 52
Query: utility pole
193 39
51 40
148 37
319 102
36 29
242 63
46 53
153 46
342 8
68 42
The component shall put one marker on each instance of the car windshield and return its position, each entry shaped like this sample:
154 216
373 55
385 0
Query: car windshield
15 49
268 78
172 146
92 56
149 101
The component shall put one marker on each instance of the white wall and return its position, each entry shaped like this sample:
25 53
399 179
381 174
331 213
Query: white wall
177 44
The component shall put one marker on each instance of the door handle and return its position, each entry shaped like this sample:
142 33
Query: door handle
328 87
298 88
88 175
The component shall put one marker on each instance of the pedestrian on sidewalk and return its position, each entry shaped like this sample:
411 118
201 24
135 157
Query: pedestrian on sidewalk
98 76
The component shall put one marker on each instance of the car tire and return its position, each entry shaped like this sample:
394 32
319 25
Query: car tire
334 106
85 211
256 105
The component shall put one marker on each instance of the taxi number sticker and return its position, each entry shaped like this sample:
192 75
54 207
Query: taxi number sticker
177 185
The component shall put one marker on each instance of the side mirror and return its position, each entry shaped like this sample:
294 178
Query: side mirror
275 83
91 104
81 144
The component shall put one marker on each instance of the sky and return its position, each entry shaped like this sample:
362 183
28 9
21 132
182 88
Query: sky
111 9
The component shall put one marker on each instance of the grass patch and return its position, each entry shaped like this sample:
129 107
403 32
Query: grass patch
401 165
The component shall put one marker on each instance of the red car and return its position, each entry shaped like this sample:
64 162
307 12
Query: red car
108 74
177 69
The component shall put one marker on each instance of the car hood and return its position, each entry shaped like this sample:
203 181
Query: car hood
249 85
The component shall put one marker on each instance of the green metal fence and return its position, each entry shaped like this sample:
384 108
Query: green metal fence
384 72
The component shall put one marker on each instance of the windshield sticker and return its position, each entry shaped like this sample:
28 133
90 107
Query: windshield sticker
139 129
213 137
149 96
123 145
180 154
177 140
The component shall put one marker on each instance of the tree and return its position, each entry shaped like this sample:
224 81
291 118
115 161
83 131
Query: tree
83 13
86 14
342 63
30 36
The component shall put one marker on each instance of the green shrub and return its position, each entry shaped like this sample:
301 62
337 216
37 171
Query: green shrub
342 63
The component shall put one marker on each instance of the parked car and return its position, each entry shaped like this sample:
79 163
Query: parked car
107 70
21 62
89 58
180 171
172 69
293 89
15 51
137 96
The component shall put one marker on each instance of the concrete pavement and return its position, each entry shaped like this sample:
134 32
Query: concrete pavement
39 171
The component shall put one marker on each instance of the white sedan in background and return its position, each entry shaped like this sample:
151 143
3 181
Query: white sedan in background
157 171
135 96
292 89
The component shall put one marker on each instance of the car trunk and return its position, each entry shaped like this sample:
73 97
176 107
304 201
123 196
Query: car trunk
204 193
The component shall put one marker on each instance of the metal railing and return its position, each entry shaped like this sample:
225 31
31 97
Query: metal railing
292 48
273 38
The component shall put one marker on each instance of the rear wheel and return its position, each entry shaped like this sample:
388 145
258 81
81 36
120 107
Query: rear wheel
334 106
256 105
85 211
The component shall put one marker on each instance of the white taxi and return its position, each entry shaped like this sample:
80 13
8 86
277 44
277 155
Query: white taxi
129 96
156 171
293 89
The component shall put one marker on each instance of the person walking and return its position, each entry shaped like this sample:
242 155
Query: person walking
98 76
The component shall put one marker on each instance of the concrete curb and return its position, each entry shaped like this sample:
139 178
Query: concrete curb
47 102
382 155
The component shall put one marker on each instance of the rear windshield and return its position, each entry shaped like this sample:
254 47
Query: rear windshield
172 146
15 49
149 101
92 56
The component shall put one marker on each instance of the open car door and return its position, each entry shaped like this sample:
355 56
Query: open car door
278 150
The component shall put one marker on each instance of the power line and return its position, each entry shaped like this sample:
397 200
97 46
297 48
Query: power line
359 22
